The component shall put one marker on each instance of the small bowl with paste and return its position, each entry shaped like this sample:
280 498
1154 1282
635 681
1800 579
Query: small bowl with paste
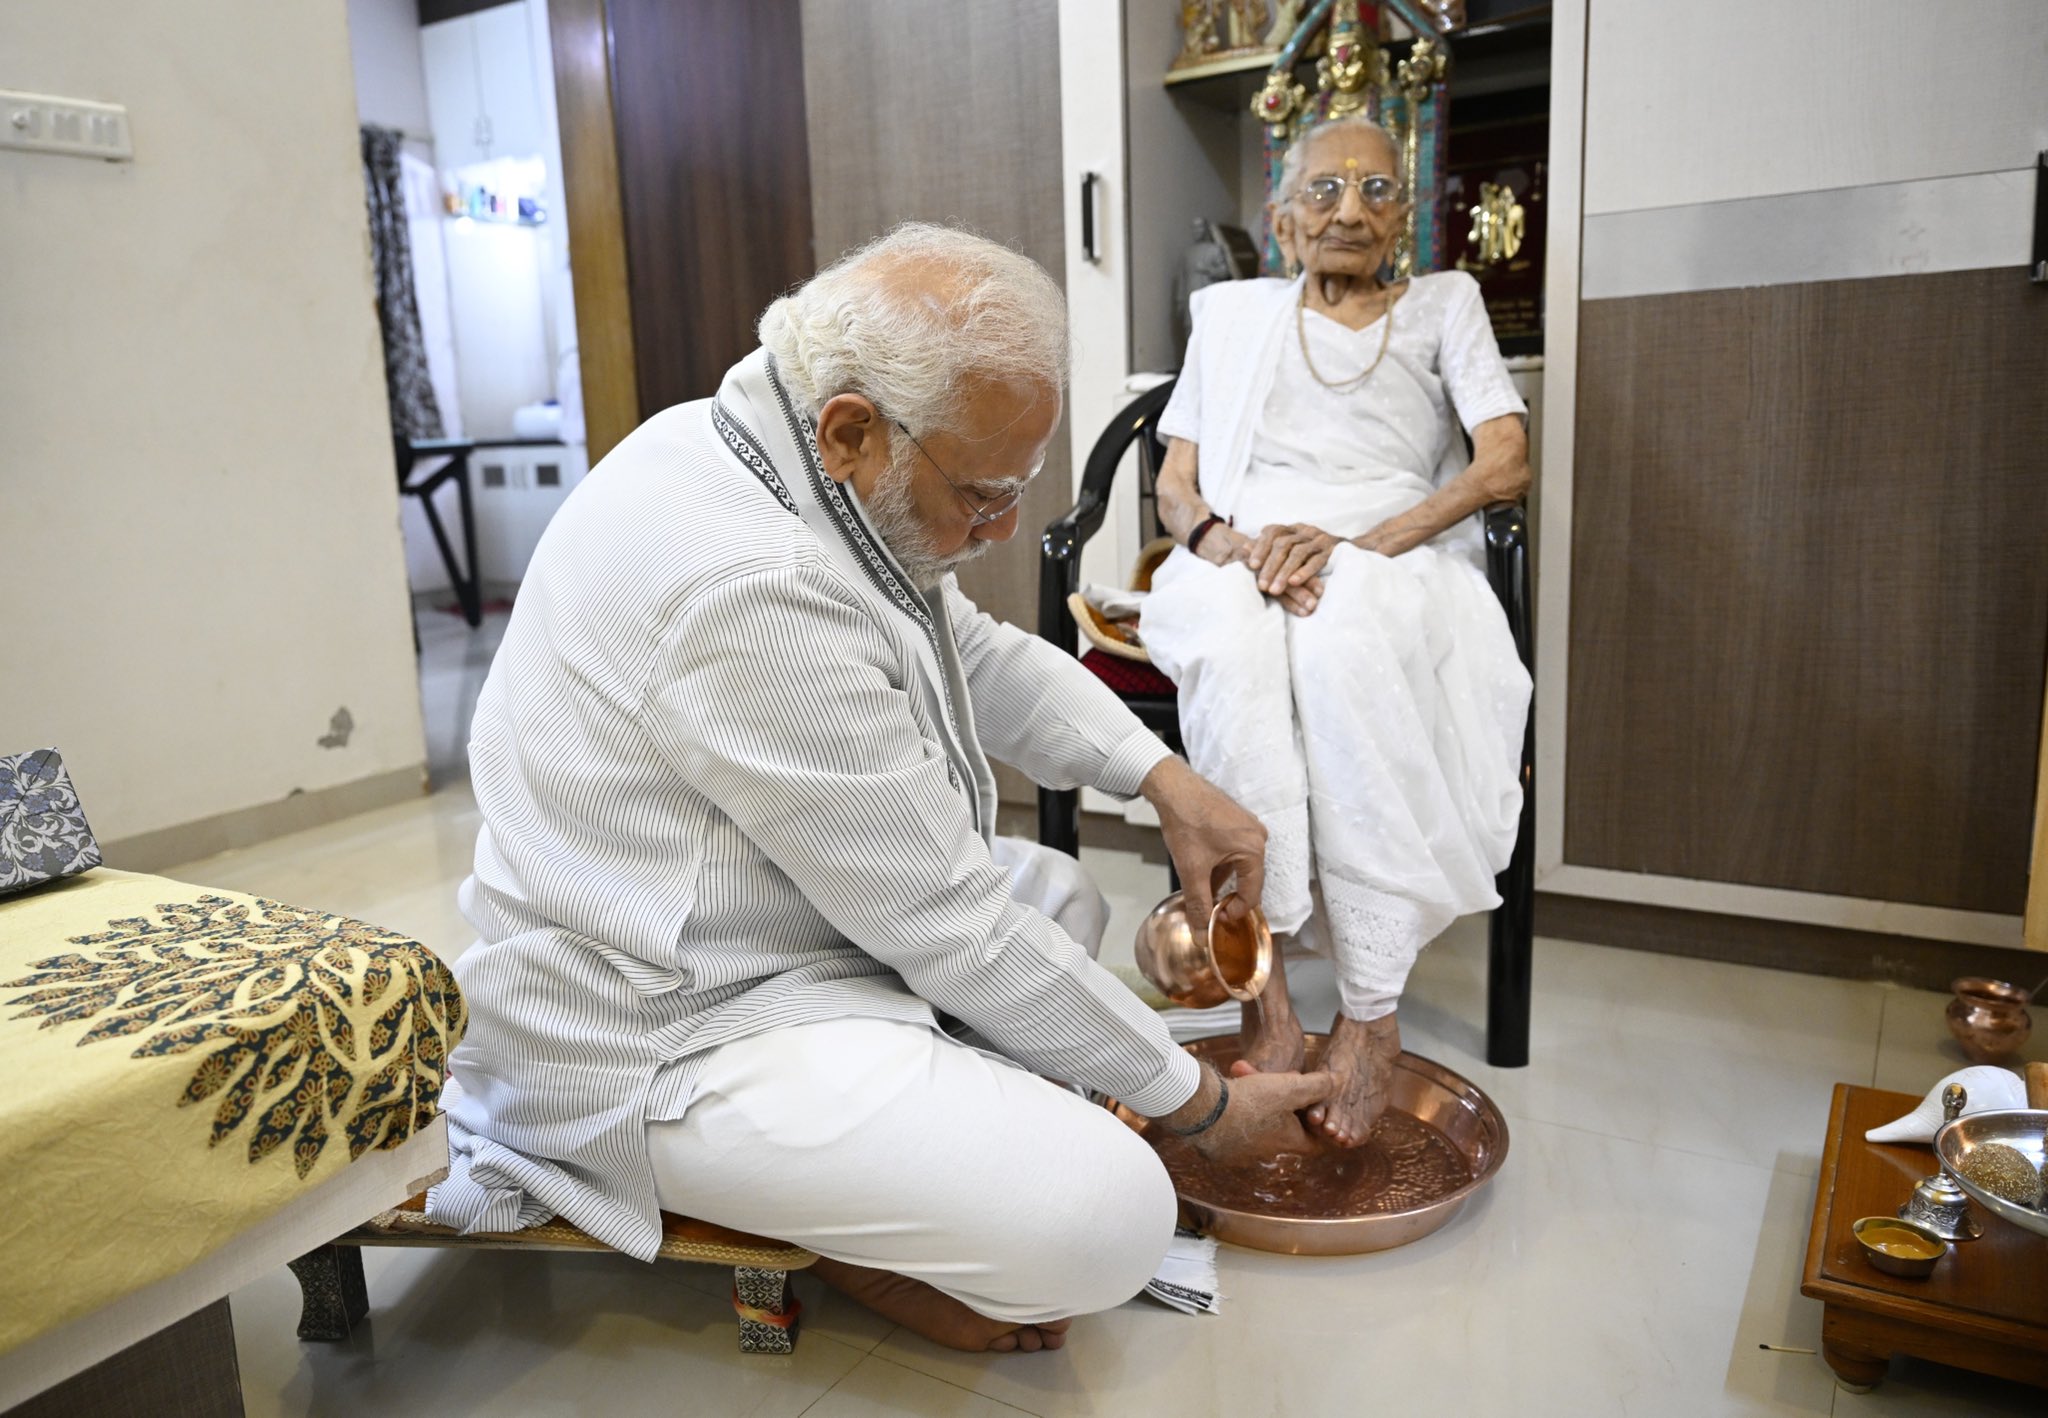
1899 1247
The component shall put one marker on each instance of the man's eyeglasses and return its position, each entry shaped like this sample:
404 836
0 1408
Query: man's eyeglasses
992 510
1376 191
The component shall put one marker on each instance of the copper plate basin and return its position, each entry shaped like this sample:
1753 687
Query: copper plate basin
1425 1090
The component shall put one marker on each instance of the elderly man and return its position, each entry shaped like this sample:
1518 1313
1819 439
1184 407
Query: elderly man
738 852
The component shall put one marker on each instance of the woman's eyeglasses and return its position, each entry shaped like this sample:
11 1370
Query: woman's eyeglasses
1377 191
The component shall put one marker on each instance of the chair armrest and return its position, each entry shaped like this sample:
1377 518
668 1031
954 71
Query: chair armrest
1059 570
1507 571
1059 561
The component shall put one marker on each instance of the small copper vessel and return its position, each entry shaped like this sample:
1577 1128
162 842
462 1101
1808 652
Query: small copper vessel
1232 960
1989 1018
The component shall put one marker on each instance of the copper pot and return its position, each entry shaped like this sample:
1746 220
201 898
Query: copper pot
1233 960
1989 1018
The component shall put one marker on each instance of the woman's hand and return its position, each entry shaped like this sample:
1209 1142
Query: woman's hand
1288 561
1222 544
1388 539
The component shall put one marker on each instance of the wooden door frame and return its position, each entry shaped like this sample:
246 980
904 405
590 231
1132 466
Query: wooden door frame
580 36
2036 928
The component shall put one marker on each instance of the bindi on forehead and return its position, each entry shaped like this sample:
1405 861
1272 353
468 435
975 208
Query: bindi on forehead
1352 164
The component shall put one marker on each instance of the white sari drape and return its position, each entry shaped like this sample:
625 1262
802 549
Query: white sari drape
1378 739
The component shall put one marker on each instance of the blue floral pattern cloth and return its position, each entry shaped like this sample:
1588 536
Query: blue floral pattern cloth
43 832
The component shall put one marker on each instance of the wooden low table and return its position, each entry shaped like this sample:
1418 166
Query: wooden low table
1985 1307
335 1297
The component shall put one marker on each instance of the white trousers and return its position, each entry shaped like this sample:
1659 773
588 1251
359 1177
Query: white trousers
893 1146
1378 739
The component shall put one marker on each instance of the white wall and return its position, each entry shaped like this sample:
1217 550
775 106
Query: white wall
1749 98
391 85
1755 143
202 559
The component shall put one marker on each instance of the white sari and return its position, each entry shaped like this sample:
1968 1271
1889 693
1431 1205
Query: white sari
1379 739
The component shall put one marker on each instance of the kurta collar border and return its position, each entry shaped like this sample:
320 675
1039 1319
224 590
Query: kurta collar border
866 547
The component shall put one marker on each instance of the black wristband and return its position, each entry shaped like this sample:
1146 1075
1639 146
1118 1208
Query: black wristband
1201 530
1222 1102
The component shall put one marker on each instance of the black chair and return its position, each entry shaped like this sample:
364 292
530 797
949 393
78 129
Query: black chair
1510 931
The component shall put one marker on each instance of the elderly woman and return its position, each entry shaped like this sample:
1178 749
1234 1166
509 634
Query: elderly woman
1344 670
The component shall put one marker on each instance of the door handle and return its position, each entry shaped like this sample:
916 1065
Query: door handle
1091 248
2037 263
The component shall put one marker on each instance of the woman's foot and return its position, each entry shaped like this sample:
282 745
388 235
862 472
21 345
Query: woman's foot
1269 1035
936 1315
1361 1055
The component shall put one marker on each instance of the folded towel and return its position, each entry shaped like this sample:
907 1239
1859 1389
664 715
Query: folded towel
1187 1277
1113 602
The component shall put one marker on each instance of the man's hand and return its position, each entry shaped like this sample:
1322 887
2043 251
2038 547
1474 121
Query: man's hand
1211 838
1288 561
1261 1120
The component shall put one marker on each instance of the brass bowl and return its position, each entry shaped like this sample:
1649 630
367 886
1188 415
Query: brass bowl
1426 1091
1911 1267
2025 1129
1230 962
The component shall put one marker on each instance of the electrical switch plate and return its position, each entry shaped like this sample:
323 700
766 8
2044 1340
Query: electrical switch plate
73 127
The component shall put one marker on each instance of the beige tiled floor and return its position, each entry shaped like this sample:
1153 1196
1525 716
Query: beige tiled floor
1644 1238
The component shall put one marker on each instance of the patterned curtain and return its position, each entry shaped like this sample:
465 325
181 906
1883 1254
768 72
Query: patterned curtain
414 412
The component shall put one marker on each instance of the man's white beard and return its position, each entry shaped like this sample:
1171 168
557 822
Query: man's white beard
893 516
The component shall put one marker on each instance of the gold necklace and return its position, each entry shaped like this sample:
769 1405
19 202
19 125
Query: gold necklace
1342 386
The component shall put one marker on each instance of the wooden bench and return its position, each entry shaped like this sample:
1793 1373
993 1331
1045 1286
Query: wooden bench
335 1296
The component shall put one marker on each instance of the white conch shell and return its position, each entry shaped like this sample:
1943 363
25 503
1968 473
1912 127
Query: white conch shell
1989 1088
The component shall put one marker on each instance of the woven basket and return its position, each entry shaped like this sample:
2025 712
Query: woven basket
1105 634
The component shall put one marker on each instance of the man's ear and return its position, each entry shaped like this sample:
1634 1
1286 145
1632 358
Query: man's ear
851 435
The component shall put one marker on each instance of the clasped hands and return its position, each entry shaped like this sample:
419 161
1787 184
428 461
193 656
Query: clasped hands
1288 559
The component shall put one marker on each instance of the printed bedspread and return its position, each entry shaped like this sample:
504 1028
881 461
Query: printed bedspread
177 1063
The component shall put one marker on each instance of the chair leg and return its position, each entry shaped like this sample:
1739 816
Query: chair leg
332 1289
1059 821
1511 933
768 1310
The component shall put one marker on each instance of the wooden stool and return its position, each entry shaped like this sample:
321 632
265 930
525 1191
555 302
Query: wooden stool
331 1278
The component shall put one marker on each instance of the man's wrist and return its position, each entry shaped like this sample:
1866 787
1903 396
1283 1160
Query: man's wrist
1164 779
1204 1101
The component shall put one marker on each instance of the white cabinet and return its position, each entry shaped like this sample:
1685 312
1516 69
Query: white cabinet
483 97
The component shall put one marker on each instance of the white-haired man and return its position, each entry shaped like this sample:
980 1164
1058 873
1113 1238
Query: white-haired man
738 850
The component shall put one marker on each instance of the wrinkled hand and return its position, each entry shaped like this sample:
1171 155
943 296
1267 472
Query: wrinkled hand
1222 544
1388 539
1288 561
1211 839
1262 1119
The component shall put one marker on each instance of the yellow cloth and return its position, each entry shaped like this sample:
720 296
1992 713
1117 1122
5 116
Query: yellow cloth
179 1063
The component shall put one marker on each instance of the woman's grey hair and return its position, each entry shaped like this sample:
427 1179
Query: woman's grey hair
912 319
1297 152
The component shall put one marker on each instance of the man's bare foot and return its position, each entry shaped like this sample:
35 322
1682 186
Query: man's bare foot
936 1315
1269 1034
1361 1055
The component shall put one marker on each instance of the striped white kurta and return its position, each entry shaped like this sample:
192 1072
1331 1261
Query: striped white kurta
731 768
